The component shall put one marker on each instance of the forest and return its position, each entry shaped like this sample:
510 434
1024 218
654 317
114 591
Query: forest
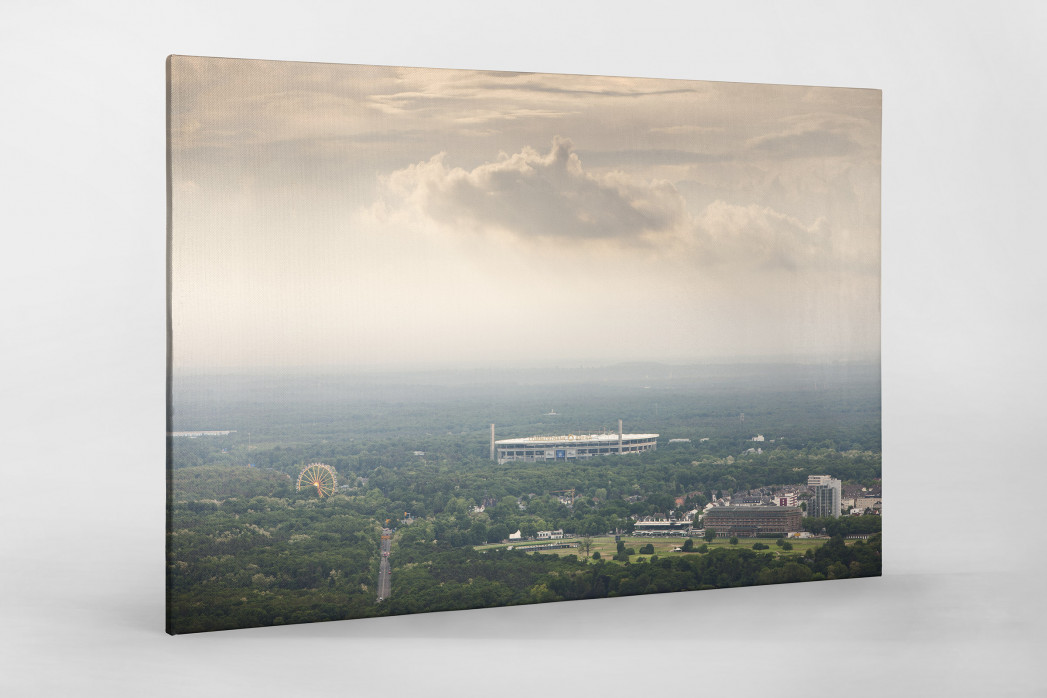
245 548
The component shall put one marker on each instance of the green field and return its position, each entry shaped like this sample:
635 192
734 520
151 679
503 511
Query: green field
663 547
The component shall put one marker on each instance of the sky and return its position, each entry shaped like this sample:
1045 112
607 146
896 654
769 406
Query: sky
361 217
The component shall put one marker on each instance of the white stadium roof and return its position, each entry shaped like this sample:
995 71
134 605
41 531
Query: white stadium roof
575 438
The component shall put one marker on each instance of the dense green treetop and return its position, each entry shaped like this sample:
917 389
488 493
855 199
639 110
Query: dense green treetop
244 549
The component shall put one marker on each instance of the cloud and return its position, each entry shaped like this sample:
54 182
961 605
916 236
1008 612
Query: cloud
756 236
634 88
651 156
808 144
456 105
533 200
550 196
808 137
687 129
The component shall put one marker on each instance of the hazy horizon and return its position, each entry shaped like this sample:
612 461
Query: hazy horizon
646 396
552 366
380 218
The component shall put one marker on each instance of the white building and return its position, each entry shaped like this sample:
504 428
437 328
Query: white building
826 499
572 446
196 434
661 526
864 503
549 535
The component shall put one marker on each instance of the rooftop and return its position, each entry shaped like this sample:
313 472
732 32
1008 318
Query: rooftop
576 438
759 511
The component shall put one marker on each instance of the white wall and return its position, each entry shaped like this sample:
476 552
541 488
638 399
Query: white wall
83 337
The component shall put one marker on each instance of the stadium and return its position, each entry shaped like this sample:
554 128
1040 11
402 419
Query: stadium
570 446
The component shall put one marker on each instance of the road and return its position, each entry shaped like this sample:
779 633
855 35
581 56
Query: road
384 571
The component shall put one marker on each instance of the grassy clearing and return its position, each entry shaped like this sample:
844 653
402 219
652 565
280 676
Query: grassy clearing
663 547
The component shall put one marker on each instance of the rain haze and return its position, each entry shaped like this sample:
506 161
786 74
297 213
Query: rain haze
369 218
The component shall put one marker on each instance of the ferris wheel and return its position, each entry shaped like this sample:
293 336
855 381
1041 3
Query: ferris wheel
318 476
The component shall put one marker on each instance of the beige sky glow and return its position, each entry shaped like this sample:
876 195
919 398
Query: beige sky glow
365 217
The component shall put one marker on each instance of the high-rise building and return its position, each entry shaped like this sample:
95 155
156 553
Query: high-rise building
826 498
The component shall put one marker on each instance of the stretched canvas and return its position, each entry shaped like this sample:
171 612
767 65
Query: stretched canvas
450 339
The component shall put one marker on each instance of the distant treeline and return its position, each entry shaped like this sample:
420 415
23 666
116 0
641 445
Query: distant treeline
805 405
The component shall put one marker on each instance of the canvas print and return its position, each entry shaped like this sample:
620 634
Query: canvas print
454 339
